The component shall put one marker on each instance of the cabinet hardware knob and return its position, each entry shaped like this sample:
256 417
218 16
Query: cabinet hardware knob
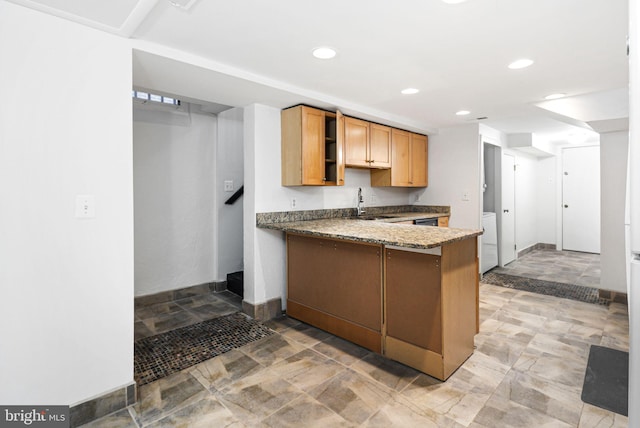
505 211
566 206
372 161
324 178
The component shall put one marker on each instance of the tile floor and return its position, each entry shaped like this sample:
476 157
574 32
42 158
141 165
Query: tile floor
569 267
527 371
162 317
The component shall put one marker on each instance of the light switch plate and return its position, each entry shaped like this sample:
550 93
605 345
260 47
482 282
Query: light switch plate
228 185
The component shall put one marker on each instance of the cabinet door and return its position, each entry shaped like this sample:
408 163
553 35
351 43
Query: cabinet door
339 278
418 160
313 138
356 142
400 158
380 146
412 299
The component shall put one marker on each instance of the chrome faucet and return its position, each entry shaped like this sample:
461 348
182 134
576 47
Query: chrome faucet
360 206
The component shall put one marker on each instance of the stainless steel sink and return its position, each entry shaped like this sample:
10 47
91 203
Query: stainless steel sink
372 217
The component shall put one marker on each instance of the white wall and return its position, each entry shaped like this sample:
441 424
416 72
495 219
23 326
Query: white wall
229 166
66 311
614 148
264 251
454 169
174 177
546 199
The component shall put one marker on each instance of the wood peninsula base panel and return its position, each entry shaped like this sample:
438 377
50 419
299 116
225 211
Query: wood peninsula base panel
418 307
431 307
336 285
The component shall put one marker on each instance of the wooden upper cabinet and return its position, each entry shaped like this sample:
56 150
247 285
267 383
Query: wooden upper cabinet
312 152
409 153
380 146
356 142
419 160
367 145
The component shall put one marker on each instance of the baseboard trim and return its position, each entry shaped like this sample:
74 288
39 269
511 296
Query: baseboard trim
538 246
180 293
102 405
263 311
613 296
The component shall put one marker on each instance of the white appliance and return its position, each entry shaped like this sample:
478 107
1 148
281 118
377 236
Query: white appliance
489 256
633 206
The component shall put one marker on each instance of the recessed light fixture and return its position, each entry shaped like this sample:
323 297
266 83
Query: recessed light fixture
324 52
521 63
462 112
182 4
409 91
454 1
554 96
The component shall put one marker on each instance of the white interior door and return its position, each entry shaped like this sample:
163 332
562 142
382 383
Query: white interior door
581 199
508 215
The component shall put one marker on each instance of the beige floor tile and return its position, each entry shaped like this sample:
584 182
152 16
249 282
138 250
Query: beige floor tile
390 373
224 369
305 412
499 348
401 412
559 346
272 349
205 413
457 400
341 350
557 401
595 417
165 396
306 334
499 412
563 371
307 369
121 419
255 397
352 395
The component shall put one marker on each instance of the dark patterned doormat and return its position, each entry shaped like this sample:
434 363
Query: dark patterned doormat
159 356
557 289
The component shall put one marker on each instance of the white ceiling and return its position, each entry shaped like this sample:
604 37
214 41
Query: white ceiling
248 51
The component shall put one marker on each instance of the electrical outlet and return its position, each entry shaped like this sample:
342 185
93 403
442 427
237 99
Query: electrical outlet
293 202
85 206
228 185
465 195
372 198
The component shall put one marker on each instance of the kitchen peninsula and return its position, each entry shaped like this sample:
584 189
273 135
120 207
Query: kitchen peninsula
408 292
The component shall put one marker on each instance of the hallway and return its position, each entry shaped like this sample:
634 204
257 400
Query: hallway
567 267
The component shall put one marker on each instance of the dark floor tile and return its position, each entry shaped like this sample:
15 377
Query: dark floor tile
120 419
141 330
151 311
167 322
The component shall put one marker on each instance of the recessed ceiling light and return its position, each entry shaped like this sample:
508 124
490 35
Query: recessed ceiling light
454 1
462 112
410 91
554 96
324 52
521 63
